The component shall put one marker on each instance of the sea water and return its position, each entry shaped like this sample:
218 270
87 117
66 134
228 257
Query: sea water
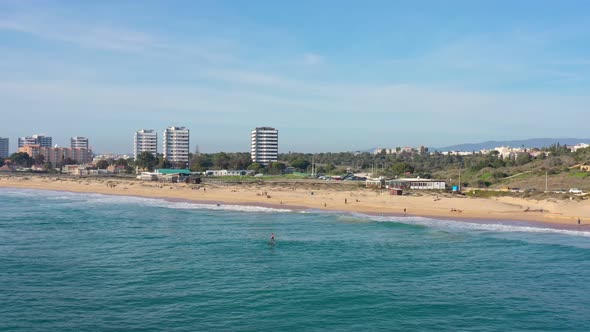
88 262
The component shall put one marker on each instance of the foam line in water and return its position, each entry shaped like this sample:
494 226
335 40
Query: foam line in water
466 225
93 198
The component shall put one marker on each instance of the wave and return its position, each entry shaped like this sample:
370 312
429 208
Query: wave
66 198
444 224
489 226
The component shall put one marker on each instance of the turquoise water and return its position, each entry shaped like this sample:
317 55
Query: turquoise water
74 262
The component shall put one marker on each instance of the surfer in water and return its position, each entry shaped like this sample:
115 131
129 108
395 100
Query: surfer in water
272 237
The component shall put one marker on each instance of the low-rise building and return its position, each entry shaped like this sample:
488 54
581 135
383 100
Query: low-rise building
417 183
579 146
168 171
225 172
375 183
115 169
56 155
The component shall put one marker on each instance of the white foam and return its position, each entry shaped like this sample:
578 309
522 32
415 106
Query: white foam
483 226
100 199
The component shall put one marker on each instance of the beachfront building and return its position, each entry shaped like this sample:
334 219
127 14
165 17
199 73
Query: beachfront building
145 140
57 155
417 183
375 183
265 145
4 147
176 145
79 142
231 172
41 140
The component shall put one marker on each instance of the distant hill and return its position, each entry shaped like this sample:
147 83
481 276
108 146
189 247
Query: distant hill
527 143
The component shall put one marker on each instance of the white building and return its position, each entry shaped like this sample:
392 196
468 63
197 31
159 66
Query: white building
79 142
579 146
176 145
41 140
417 183
145 140
265 145
225 172
3 148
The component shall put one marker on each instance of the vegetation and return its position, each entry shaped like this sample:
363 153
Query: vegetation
146 161
555 167
477 170
21 159
102 164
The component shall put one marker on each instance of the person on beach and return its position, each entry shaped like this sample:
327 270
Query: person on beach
404 210
578 221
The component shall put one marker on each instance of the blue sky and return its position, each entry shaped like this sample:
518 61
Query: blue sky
330 75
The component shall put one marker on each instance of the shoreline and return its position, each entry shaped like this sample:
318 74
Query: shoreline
479 221
507 210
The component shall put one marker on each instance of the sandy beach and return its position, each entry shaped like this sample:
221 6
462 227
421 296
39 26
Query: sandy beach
332 197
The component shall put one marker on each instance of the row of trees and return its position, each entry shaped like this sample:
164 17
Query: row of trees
421 164
23 159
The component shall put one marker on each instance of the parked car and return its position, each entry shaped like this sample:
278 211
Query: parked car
576 191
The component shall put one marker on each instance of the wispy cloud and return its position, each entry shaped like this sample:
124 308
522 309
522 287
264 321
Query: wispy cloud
99 37
312 59
108 37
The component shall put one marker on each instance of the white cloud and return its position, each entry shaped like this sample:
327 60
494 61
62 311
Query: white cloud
312 59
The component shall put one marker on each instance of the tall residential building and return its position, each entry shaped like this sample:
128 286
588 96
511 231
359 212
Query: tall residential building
4 148
145 140
79 142
41 140
265 145
176 145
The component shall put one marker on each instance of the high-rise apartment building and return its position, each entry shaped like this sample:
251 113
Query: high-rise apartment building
265 145
176 145
41 140
145 140
79 142
4 148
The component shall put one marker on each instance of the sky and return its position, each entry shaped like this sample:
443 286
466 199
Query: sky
329 75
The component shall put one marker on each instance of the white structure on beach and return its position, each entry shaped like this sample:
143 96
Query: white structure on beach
265 145
176 145
417 183
145 140
79 142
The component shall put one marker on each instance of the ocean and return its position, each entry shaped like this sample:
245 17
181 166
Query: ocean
90 262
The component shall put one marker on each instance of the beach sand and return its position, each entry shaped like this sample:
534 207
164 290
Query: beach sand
334 197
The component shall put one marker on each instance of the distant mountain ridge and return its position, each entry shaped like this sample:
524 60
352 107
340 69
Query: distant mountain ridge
527 143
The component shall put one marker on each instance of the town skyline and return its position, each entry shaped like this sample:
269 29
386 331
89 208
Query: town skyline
158 144
350 76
